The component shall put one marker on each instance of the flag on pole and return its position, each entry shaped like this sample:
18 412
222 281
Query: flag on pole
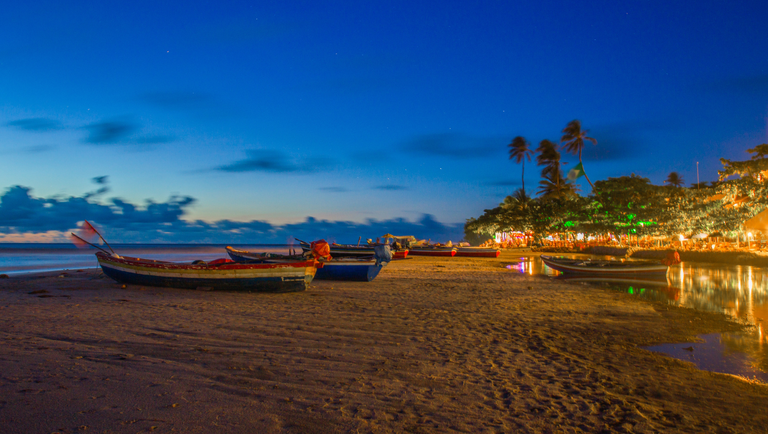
576 172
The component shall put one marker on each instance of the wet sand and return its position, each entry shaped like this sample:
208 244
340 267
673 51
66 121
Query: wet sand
432 345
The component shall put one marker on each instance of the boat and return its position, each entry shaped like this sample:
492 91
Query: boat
604 267
478 252
221 274
432 251
361 269
351 250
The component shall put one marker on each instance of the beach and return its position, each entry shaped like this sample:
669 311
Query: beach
431 345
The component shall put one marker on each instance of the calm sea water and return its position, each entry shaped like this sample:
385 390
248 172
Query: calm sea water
735 290
27 258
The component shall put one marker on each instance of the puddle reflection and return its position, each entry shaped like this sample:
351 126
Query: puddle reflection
736 290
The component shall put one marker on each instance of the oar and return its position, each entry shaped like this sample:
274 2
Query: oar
358 239
97 233
86 242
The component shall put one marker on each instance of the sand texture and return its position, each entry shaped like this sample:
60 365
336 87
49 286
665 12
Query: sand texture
432 345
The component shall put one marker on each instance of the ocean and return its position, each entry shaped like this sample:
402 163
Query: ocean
17 258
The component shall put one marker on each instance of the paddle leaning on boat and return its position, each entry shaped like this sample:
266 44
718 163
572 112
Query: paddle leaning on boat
355 268
608 267
220 274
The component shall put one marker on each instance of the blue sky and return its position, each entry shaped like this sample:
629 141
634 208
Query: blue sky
363 114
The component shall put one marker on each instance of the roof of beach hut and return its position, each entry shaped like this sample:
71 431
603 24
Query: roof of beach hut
758 222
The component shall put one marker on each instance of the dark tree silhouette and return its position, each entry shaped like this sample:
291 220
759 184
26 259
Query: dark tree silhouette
549 157
675 180
552 187
519 150
573 142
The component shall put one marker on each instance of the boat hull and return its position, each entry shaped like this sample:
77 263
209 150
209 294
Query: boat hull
263 277
348 251
475 252
351 269
608 268
432 252
358 271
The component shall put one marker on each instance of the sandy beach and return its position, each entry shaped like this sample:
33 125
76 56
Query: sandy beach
431 345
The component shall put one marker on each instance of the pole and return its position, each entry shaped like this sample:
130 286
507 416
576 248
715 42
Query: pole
102 238
698 183
92 245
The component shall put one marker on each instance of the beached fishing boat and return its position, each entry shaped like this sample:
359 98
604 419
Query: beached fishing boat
361 269
478 252
432 251
277 276
604 267
351 250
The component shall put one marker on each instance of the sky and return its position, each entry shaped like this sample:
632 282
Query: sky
215 121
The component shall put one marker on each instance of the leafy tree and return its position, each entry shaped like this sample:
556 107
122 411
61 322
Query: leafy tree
573 141
629 204
519 150
755 166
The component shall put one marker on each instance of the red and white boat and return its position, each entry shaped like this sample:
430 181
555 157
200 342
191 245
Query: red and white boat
478 252
432 251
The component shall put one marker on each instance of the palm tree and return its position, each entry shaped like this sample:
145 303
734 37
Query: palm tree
554 187
675 180
519 200
548 157
519 150
573 141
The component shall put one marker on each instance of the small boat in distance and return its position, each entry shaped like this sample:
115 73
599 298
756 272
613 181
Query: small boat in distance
361 269
604 267
478 252
432 251
222 274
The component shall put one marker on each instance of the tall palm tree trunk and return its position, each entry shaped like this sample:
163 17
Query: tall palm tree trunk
585 172
523 175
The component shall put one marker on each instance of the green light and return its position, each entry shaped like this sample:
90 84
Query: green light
631 290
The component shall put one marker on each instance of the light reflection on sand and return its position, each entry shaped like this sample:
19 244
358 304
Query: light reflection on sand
736 290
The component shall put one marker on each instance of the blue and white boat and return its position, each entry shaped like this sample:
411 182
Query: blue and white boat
360 269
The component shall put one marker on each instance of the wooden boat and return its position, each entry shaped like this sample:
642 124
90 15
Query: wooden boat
351 250
278 276
604 267
361 269
432 251
478 252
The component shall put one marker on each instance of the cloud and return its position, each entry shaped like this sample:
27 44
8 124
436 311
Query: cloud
622 141
454 145
391 187
269 161
162 222
36 124
109 132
